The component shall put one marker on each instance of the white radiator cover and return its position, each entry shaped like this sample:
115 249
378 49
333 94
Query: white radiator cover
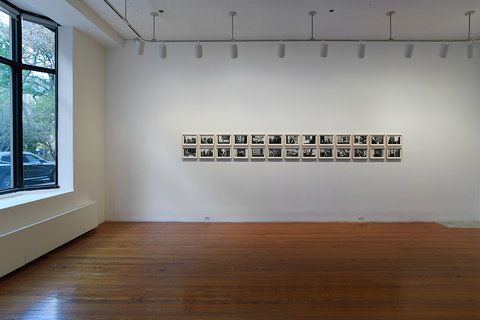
21 246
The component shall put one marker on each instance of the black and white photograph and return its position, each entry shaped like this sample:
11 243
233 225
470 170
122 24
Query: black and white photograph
189 139
309 153
343 153
309 139
360 139
224 153
257 139
224 139
292 153
377 140
275 153
257 153
377 153
292 139
325 153
207 139
343 139
360 153
394 140
207 153
275 140
190 153
394 153
240 153
240 139
326 140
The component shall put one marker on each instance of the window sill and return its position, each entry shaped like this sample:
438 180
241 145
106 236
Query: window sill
18 198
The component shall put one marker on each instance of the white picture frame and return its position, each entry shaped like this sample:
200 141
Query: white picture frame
326 152
292 140
257 139
309 140
241 153
343 140
394 140
257 152
275 153
326 139
360 140
360 153
343 153
189 139
394 153
309 152
206 152
223 139
377 140
223 152
206 139
240 139
377 153
189 152
292 152
275 140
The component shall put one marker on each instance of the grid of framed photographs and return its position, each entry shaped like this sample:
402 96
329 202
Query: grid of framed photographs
259 146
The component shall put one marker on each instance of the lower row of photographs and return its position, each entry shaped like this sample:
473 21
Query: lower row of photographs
258 153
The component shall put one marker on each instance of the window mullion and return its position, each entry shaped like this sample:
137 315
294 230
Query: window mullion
17 132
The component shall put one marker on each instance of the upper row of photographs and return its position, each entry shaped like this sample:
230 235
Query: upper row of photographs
292 139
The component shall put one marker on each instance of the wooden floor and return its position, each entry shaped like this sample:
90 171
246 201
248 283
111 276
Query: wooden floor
253 271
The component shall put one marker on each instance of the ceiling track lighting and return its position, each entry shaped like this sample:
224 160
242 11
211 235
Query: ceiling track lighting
198 49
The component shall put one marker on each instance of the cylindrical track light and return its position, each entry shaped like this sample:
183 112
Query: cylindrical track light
361 50
408 52
324 49
139 47
444 50
470 50
234 50
281 50
162 50
198 50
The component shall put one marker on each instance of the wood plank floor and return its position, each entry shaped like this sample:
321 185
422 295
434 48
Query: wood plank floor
253 271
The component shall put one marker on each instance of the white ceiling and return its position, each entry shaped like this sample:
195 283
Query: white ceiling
352 19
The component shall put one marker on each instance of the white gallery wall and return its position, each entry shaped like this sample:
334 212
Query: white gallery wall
433 102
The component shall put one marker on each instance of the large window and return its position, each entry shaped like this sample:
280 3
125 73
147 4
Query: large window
28 100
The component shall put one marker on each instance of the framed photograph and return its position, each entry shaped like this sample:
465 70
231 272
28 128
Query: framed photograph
325 140
343 139
207 153
275 153
292 153
394 140
207 139
240 139
224 153
377 140
377 153
325 153
189 153
360 140
275 140
189 139
240 153
394 153
360 153
309 139
257 153
257 139
292 140
224 139
309 153
343 153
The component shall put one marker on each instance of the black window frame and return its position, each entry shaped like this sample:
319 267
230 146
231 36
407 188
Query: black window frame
17 67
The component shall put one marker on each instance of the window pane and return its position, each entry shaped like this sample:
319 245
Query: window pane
4 35
38 128
38 45
5 127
